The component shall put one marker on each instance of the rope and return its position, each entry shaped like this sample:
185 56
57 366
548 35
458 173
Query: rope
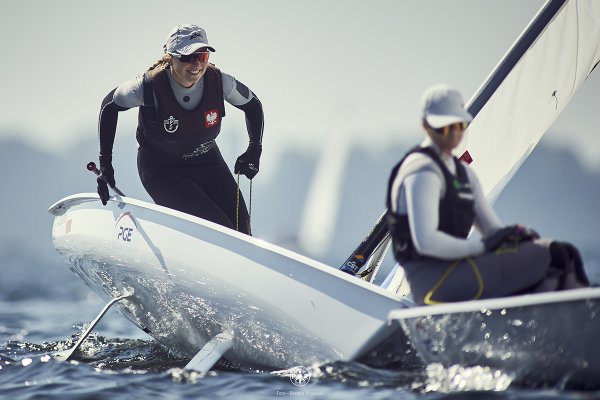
439 283
250 211
237 206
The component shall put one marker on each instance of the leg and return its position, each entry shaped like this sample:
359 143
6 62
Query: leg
579 271
566 258
517 269
501 273
549 284
221 187
183 194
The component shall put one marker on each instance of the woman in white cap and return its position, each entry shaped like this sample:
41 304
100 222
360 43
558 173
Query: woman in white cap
434 199
181 105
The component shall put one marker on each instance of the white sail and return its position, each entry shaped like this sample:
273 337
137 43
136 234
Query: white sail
529 88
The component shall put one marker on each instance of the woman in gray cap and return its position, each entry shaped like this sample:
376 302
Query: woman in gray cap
434 199
181 105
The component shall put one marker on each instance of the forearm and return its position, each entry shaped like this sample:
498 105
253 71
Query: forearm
441 245
254 120
107 124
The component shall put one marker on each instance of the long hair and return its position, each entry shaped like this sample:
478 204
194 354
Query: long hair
162 62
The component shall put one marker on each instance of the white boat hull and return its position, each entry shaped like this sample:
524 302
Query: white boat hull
546 338
194 279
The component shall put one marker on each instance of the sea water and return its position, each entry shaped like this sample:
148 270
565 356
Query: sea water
43 307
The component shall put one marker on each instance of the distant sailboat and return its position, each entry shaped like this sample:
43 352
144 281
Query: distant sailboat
320 211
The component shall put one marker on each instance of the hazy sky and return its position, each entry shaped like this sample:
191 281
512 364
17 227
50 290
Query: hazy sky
317 65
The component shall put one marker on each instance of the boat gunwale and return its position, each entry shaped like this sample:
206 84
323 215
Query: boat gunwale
500 303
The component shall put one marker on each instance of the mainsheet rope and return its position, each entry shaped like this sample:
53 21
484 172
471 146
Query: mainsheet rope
237 208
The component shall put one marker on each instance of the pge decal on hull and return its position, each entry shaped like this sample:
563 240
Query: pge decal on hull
125 234
125 227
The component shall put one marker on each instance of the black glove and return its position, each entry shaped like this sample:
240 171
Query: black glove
509 234
107 174
247 164
523 233
496 239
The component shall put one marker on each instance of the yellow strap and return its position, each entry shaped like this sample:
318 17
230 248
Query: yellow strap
439 283
507 248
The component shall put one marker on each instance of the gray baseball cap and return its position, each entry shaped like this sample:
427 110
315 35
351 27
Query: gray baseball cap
186 39
443 105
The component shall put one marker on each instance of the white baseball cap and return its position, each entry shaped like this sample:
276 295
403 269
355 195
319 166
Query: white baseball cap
186 39
443 105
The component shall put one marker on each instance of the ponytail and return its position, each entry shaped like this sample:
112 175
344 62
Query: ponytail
162 62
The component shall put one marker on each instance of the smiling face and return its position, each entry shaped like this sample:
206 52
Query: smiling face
188 73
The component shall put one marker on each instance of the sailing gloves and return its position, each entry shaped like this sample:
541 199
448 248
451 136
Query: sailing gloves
509 234
106 178
247 164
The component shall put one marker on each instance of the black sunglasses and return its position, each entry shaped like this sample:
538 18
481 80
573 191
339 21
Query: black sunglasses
201 56
457 125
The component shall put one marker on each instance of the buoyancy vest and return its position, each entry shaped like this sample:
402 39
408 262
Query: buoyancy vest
169 131
456 210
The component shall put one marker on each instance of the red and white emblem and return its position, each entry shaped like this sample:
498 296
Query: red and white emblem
466 157
211 118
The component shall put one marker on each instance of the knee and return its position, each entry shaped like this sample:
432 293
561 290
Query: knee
559 257
566 258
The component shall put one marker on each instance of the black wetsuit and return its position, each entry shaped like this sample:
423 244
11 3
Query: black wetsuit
179 163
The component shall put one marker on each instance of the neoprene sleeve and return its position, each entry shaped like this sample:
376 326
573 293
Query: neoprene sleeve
254 120
422 199
107 124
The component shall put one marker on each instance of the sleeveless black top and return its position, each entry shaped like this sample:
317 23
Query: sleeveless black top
456 210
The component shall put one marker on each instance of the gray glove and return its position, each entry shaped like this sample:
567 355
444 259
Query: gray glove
509 234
